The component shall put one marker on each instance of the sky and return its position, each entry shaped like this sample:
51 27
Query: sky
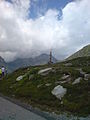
29 28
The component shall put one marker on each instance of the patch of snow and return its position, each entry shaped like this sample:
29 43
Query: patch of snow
59 91
41 72
19 78
77 81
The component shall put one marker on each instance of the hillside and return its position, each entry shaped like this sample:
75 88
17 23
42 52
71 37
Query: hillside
24 62
61 87
85 51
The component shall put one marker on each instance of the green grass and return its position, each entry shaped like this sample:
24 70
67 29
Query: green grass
76 101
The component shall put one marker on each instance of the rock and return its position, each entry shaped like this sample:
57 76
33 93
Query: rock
82 73
67 80
11 87
77 81
13 95
58 82
87 76
59 91
19 78
28 69
65 76
64 81
85 79
48 84
45 71
61 102
38 86
30 77
68 64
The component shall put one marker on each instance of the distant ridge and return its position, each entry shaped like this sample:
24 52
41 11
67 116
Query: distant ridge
2 62
24 62
84 52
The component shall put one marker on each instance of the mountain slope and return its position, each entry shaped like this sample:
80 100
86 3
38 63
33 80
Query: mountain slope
35 88
85 51
39 60
2 62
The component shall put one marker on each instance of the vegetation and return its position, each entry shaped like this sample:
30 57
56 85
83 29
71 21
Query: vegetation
84 52
33 88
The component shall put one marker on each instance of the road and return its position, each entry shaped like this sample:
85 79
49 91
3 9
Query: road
11 111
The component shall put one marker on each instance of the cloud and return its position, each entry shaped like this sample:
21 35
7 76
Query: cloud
21 7
23 37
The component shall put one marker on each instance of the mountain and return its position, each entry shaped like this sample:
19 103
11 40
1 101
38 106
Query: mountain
2 62
85 51
24 62
57 88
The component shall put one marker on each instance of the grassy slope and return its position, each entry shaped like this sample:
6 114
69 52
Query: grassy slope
77 99
85 51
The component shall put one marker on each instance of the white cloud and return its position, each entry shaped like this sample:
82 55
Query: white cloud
22 7
22 37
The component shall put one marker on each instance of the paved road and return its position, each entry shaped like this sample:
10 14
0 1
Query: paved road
11 111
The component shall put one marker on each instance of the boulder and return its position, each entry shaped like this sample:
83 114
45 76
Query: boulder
77 81
87 76
48 84
19 78
30 77
59 91
82 73
45 71
38 86
68 64
65 77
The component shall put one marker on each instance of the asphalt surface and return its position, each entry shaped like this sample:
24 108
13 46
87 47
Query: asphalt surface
11 111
